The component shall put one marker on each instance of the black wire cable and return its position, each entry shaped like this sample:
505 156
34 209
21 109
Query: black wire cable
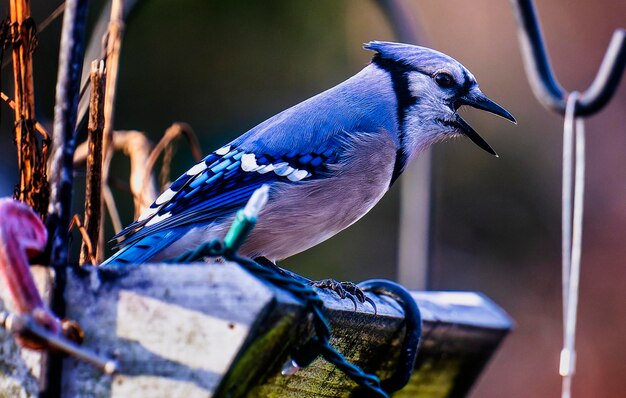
318 345
413 329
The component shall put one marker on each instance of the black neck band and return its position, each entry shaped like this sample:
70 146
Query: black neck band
398 72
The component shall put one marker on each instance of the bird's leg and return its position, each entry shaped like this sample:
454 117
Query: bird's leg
264 261
345 290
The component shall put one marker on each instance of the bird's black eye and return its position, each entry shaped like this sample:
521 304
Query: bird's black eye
444 79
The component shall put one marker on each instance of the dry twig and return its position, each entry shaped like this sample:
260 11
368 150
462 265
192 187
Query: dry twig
43 25
89 253
174 132
116 220
38 126
142 157
93 184
138 148
31 159
112 46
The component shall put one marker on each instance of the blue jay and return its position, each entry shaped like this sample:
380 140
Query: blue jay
327 160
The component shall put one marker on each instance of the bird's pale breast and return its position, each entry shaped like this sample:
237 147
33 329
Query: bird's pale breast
302 215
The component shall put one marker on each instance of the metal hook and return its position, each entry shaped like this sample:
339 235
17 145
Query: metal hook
542 80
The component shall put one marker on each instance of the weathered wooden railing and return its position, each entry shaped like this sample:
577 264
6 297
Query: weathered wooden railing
215 330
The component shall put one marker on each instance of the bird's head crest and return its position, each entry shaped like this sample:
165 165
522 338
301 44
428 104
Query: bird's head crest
422 58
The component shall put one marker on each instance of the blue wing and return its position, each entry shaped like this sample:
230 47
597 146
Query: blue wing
213 189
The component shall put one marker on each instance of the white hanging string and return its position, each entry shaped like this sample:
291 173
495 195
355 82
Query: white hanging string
571 236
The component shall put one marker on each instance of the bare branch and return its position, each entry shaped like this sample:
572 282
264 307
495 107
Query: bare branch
90 256
41 129
171 134
31 159
42 26
138 148
109 201
112 46
93 195
52 17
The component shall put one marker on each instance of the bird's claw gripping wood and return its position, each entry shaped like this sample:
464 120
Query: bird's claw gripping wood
345 290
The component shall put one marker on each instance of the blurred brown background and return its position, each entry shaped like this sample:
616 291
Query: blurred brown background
224 67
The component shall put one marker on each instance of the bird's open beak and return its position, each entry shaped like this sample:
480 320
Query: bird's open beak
476 99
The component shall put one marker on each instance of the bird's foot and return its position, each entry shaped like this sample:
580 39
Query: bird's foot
281 271
345 290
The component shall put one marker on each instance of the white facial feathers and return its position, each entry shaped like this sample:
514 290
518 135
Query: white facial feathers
423 121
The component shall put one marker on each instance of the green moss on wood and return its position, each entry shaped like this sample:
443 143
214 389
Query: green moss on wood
433 379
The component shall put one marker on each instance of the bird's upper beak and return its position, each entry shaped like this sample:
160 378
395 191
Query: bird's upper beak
476 99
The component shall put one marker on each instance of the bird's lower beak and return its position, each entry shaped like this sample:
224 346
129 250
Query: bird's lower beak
476 99
473 135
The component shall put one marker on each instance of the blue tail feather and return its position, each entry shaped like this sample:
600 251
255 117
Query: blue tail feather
144 249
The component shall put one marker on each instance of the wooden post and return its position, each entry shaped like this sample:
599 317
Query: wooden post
31 158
